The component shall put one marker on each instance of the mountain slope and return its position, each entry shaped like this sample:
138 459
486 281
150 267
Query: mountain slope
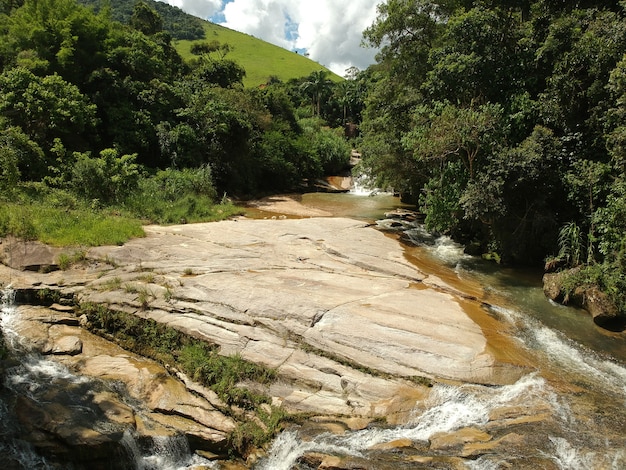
260 59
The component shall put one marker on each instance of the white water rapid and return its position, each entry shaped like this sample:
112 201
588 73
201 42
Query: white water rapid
35 376
447 409
569 443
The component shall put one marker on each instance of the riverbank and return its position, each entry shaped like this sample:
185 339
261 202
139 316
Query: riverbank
285 205
355 332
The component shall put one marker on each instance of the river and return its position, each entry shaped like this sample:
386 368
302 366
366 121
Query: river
44 380
576 388
580 375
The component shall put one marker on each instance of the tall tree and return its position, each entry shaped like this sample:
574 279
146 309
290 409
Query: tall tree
317 87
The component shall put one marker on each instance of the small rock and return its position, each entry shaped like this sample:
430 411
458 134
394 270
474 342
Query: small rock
61 308
83 321
397 444
66 345
463 436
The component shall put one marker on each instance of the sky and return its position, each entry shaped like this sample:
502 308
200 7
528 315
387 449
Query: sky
329 31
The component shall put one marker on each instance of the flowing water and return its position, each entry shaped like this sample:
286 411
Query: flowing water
40 379
580 376
578 379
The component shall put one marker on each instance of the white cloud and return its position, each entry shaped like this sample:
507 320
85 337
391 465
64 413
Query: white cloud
329 30
201 8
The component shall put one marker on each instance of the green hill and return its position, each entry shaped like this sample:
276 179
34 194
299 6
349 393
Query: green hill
259 58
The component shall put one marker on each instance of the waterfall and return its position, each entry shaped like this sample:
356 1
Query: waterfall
164 453
571 358
36 375
13 449
362 185
447 409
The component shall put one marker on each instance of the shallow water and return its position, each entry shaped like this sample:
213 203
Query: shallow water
580 377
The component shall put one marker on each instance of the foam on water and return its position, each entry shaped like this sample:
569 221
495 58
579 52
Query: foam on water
441 247
567 457
447 409
164 453
567 354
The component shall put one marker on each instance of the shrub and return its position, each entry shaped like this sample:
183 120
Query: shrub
108 178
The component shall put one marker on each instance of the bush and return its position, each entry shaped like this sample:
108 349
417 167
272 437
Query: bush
108 178
179 196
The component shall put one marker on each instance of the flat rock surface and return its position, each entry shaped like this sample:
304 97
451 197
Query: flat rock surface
331 303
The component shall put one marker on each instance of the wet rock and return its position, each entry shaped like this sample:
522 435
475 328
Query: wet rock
602 309
70 345
463 436
510 440
172 408
553 286
64 432
395 444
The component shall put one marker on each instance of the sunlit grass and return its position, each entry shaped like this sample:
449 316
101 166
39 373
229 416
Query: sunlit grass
66 227
260 59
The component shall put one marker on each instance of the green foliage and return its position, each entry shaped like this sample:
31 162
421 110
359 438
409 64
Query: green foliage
571 244
111 178
440 200
145 19
56 37
175 196
222 72
226 375
317 87
507 119
22 159
66 261
175 22
45 107
62 227
9 170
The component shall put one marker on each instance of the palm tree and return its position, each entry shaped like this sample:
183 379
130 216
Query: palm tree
317 86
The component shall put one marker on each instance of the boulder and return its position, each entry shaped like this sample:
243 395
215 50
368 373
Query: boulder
603 310
590 297
70 345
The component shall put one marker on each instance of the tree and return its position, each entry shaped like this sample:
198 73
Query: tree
222 72
21 157
145 19
405 31
207 48
451 132
64 37
46 108
480 58
317 87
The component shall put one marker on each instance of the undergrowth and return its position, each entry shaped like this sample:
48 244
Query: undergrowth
199 360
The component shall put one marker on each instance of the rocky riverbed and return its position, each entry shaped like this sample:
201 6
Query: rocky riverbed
355 332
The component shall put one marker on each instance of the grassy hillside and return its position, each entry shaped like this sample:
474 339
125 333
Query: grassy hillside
260 59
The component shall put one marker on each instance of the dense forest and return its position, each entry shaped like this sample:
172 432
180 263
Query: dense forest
506 122
106 114
503 121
